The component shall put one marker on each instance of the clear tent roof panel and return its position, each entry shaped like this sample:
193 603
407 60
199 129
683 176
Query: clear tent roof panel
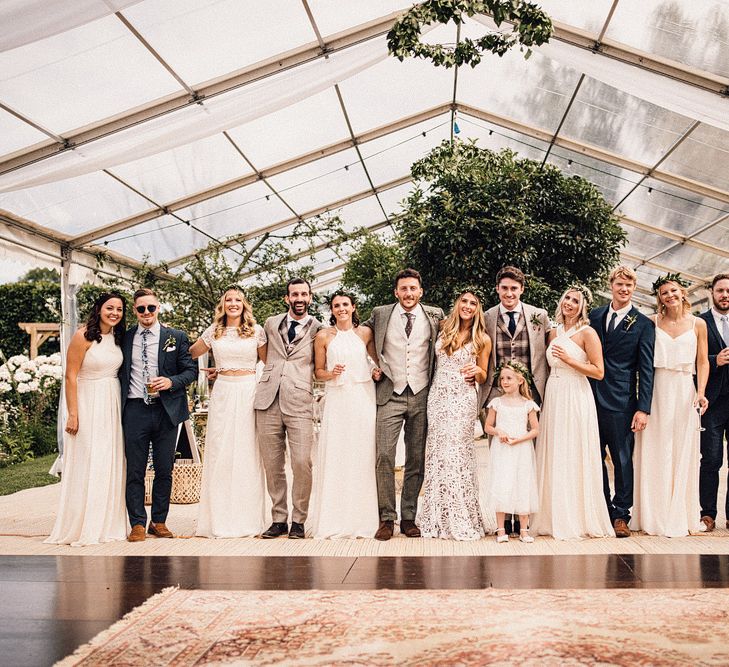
671 208
333 16
540 98
392 199
644 243
187 169
694 33
621 123
362 213
589 16
16 134
693 261
309 186
75 205
384 92
158 240
205 40
91 72
704 157
717 236
238 212
500 138
314 122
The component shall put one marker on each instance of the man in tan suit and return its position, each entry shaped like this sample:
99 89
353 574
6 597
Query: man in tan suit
284 408
518 331
405 334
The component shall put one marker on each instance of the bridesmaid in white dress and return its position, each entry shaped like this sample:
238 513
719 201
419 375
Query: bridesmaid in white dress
667 451
569 467
92 508
450 508
344 497
232 495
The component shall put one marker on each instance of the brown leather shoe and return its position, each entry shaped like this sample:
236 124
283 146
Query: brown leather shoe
385 531
159 530
708 522
621 528
137 534
409 529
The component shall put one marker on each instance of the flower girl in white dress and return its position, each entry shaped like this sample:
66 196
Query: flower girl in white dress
512 420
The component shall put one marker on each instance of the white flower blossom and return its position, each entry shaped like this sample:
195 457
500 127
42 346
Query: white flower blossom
23 388
29 366
55 358
16 361
33 385
5 387
22 376
4 372
41 359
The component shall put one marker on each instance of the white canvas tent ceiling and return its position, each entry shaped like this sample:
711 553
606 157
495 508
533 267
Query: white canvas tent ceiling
153 127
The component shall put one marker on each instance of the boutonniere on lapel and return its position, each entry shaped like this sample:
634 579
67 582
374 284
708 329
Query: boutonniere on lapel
535 322
630 320
170 344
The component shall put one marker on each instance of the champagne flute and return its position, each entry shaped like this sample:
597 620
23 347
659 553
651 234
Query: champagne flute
698 411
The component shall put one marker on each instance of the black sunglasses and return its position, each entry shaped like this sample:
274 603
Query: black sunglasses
141 309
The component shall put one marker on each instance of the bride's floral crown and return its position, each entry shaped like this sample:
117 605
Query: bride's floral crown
669 278
584 290
472 289
517 367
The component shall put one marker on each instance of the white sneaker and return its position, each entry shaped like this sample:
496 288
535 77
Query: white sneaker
501 535
524 536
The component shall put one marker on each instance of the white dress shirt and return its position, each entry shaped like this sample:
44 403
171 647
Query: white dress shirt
720 325
621 314
519 310
136 377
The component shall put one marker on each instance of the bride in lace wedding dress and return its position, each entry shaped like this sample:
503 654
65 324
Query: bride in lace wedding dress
450 505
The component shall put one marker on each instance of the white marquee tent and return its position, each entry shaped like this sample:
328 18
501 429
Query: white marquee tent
151 127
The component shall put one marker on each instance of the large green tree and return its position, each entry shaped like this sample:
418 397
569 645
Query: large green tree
474 210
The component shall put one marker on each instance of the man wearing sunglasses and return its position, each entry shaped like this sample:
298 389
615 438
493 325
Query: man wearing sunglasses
156 370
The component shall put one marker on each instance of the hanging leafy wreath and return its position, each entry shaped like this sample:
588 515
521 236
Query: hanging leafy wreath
531 26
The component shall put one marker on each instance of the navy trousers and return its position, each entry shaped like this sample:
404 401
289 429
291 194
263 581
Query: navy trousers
144 425
617 438
716 423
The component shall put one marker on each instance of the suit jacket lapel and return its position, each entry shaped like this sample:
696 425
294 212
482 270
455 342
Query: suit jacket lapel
492 316
620 330
711 325
160 348
380 332
600 316
277 338
129 350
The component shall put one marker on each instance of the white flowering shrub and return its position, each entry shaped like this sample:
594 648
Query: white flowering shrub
29 392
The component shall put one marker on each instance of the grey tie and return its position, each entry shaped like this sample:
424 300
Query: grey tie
145 363
725 328
409 324
611 326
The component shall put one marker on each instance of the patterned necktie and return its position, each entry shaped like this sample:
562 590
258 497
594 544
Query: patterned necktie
611 326
409 323
292 330
146 333
725 328
512 322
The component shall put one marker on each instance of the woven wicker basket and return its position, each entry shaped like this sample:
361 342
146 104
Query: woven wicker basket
186 480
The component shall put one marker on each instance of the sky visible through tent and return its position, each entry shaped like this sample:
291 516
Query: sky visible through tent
155 128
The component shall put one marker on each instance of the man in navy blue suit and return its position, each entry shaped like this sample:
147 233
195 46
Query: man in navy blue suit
716 418
623 396
156 370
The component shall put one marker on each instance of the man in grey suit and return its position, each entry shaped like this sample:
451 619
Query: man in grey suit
405 334
284 409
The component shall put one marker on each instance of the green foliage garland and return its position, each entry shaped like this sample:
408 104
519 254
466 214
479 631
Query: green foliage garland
532 26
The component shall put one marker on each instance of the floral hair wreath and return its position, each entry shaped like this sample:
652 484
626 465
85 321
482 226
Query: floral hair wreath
471 289
582 289
235 288
343 293
516 366
669 278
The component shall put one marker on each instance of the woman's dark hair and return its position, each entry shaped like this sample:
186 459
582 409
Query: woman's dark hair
93 323
348 295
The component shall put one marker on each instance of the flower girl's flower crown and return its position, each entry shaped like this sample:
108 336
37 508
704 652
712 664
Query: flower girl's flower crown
517 367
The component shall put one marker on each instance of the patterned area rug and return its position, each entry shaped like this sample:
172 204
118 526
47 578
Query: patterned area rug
536 627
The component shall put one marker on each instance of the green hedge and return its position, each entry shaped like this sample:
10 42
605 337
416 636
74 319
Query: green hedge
27 302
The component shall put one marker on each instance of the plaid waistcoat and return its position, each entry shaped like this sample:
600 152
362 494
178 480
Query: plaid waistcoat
512 348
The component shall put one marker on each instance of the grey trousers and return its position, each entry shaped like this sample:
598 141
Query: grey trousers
412 409
273 429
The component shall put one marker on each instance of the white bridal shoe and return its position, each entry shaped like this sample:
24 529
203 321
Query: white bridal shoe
524 536
501 535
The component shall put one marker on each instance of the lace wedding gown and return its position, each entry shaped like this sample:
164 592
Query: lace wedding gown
344 497
569 467
232 494
450 506
667 451
92 508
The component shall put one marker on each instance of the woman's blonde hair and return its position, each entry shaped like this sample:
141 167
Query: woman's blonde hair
685 303
247 321
585 298
450 326
519 369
